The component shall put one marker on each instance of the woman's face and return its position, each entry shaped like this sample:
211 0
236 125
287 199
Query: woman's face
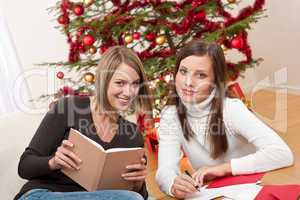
194 79
123 87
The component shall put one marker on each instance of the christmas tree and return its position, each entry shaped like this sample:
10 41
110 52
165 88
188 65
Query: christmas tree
154 29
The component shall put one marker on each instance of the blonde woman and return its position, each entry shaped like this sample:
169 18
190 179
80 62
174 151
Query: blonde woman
219 134
120 83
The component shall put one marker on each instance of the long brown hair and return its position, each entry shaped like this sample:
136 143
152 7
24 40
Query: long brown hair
215 131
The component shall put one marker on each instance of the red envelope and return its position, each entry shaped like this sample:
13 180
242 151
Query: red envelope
279 192
235 180
264 194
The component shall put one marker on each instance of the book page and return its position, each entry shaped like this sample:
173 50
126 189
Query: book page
121 149
242 191
108 150
236 192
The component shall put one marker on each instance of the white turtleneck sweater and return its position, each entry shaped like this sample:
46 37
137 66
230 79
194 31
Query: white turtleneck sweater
252 145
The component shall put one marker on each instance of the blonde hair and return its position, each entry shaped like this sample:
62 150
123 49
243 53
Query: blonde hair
107 66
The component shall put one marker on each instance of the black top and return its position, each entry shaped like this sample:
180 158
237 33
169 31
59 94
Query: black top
71 112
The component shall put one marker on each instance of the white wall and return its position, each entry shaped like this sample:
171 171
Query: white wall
274 38
36 41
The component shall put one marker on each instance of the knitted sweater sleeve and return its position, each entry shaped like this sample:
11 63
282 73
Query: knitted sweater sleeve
169 153
272 152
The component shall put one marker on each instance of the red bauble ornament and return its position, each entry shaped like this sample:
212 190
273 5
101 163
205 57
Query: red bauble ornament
63 20
237 42
60 75
200 16
78 9
150 36
88 40
136 35
65 4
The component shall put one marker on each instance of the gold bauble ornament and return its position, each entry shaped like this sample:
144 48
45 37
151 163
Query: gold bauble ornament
160 39
87 3
128 39
89 77
231 1
224 48
92 50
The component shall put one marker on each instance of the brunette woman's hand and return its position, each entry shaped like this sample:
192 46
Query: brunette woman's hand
137 173
183 185
64 157
210 172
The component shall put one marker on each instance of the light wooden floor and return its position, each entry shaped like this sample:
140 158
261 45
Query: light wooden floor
282 112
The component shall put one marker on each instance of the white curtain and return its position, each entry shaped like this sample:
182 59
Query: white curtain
11 93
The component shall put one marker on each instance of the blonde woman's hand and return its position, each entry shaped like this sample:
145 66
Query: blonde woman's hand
64 157
137 173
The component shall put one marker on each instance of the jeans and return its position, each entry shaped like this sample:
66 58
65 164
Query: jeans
44 194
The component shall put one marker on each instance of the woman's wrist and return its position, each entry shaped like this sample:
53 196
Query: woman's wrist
227 169
51 164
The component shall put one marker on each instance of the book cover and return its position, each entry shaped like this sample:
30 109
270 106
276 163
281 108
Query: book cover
101 169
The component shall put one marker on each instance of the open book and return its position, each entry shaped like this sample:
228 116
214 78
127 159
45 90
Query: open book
101 169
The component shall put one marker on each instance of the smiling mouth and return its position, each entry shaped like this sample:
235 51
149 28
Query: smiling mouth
188 92
124 101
